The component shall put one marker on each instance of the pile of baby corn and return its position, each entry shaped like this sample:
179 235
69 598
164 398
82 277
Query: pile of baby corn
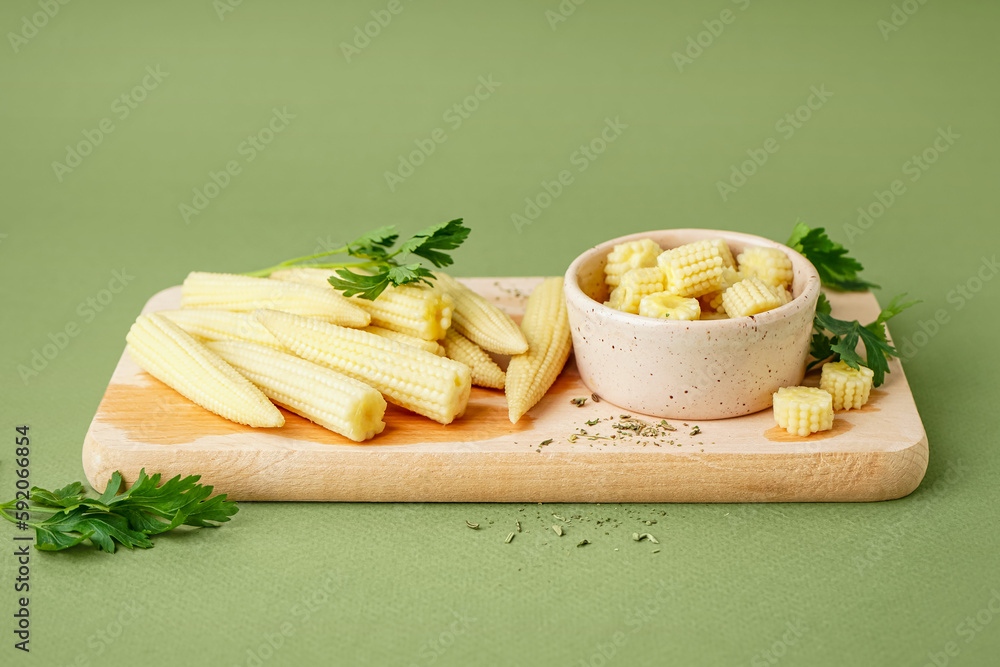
239 346
699 280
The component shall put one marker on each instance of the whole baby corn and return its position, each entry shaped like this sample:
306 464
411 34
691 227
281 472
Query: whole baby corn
771 265
416 310
419 381
485 371
212 324
627 256
330 399
431 346
849 387
803 410
226 291
692 269
546 328
175 358
479 320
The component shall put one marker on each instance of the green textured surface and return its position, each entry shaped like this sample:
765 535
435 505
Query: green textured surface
876 584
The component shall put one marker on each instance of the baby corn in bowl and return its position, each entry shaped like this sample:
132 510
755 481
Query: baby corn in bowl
727 321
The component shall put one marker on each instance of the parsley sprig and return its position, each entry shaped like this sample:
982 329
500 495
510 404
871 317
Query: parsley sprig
380 264
836 269
837 340
127 517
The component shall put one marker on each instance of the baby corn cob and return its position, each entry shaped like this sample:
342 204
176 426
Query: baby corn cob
418 381
803 410
850 387
749 297
165 351
420 311
211 324
305 276
636 284
334 401
479 320
431 346
546 328
630 255
228 291
485 372
692 269
669 307
771 265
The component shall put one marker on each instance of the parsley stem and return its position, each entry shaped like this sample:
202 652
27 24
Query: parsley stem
264 273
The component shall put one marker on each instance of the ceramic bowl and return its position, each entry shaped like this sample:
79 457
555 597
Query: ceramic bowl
703 369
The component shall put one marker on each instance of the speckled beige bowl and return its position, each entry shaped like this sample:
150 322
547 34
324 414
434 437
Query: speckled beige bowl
705 369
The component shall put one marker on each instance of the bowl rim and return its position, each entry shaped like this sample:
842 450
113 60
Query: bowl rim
809 293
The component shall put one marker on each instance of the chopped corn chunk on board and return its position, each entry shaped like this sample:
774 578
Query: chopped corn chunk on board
876 453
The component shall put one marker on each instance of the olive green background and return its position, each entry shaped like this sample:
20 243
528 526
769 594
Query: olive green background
874 584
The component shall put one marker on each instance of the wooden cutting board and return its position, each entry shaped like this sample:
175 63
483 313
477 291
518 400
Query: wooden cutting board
876 453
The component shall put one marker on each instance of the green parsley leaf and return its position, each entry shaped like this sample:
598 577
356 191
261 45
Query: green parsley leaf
836 269
352 284
838 339
374 244
118 517
445 236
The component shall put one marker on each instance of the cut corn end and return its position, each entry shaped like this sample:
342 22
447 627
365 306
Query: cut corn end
669 307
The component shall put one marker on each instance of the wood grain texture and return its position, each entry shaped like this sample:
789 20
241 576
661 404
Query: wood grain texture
877 453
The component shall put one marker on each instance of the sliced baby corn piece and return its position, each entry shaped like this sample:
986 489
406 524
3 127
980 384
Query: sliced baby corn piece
212 324
749 297
669 307
431 346
485 371
175 358
418 381
630 255
330 399
418 310
850 387
546 328
803 410
636 284
724 252
226 291
713 300
771 265
692 269
479 320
